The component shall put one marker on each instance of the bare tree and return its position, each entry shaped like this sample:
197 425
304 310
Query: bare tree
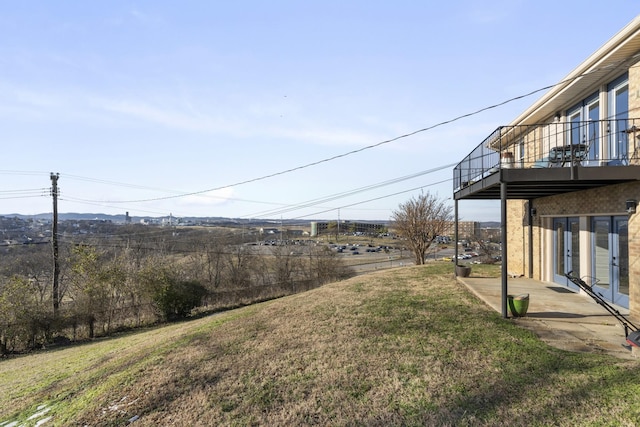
325 266
238 266
284 266
206 260
99 287
420 221
32 262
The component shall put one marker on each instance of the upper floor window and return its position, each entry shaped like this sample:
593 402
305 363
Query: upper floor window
584 127
618 98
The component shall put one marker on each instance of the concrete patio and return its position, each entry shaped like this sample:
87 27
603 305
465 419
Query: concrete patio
560 317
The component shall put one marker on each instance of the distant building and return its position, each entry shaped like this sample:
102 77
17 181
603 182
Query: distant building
467 228
355 227
269 230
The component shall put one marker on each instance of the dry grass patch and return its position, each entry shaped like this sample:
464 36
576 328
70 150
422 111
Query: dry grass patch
402 347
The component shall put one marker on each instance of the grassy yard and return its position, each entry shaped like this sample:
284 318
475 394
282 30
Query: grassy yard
407 346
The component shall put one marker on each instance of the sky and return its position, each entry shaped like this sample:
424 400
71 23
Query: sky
281 109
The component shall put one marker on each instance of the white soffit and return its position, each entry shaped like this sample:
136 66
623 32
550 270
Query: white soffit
611 60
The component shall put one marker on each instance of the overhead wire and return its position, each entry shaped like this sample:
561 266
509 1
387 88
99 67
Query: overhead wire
376 198
349 153
163 232
23 194
325 160
368 147
315 202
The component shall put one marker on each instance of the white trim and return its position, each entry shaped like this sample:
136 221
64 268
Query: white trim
623 45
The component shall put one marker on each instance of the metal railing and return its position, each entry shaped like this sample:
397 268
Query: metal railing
591 143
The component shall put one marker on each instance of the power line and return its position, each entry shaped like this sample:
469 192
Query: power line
26 191
329 159
337 196
285 208
376 198
369 147
349 153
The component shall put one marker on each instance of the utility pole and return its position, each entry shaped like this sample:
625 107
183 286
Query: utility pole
54 240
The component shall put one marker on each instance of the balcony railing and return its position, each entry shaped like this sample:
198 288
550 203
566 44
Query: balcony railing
560 144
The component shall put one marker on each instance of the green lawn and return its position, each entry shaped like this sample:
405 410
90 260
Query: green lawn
407 346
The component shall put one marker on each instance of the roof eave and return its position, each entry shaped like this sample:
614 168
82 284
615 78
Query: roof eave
601 63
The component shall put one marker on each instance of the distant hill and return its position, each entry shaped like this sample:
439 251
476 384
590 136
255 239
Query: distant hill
76 216
115 218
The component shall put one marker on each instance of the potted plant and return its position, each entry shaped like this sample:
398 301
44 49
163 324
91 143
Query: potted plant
463 270
518 304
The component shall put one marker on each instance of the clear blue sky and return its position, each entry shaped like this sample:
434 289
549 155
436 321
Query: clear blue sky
144 106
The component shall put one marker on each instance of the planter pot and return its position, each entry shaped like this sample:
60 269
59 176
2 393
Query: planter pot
518 304
463 270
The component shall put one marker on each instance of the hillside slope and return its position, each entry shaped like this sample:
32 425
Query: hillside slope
406 346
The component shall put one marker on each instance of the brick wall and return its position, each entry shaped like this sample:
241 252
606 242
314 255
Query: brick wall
516 235
605 201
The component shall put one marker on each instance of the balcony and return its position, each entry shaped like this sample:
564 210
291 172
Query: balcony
553 158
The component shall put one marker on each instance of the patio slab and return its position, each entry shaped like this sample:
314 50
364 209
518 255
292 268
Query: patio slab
560 317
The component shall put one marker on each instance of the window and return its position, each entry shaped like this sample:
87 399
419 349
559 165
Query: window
618 94
521 153
584 127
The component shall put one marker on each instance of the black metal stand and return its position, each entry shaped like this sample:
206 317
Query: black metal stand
633 337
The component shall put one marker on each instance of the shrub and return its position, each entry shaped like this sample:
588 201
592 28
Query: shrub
175 299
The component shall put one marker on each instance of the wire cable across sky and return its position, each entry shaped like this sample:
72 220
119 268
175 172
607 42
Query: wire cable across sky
178 194
360 150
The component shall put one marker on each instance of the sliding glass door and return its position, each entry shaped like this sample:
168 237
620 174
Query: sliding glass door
618 115
566 250
610 258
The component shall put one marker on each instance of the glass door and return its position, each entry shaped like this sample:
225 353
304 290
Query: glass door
610 258
593 133
620 246
583 131
619 113
601 257
566 250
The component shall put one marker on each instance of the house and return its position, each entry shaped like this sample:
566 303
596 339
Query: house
567 174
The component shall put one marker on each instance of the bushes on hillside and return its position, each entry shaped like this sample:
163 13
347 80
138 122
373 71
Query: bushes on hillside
173 298
109 288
